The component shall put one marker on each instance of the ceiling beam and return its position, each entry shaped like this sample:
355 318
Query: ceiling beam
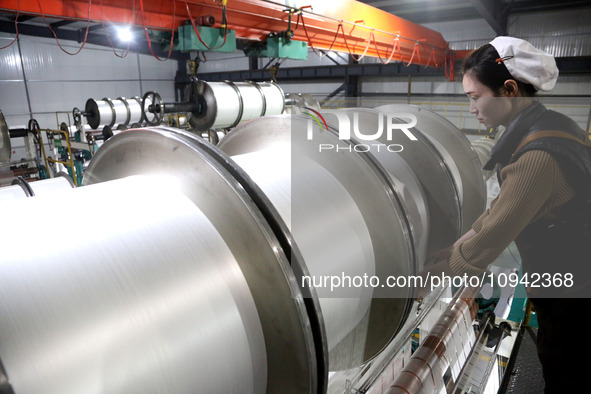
574 65
340 72
546 5
428 16
415 7
566 65
24 18
140 46
493 14
333 28
57 25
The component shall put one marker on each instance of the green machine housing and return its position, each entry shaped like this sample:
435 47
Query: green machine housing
213 37
279 47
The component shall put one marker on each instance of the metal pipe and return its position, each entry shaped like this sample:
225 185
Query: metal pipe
17 133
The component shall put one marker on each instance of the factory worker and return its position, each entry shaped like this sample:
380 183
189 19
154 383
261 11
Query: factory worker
544 203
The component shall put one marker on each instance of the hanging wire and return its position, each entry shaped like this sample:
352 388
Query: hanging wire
171 31
55 35
369 38
434 58
300 14
341 29
396 44
18 6
109 36
412 56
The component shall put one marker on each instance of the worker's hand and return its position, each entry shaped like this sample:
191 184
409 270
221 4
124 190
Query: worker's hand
437 257
435 265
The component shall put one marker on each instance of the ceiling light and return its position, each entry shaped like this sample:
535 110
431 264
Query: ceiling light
124 34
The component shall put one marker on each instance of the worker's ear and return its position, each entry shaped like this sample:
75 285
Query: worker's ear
511 88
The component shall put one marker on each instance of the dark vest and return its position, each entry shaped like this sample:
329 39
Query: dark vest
551 248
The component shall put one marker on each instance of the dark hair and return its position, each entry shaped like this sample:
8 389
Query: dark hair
483 65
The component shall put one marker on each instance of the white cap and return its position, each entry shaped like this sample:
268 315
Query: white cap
526 63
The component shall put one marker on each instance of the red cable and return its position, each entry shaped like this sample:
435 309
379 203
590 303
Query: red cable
349 49
18 6
109 36
449 74
412 56
396 41
55 36
199 35
171 31
369 39
434 59
339 28
310 40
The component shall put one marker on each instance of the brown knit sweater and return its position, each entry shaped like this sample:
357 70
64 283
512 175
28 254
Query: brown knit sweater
532 188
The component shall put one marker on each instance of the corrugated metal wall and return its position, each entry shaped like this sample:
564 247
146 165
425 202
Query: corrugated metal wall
561 33
55 81
464 35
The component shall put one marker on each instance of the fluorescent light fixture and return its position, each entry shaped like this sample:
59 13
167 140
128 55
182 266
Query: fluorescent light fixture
124 34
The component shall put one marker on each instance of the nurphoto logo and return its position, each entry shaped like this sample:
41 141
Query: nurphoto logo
348 125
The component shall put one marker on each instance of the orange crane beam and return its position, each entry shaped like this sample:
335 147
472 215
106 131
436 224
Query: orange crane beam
339 25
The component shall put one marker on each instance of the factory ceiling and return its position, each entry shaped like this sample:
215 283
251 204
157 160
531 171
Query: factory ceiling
495 12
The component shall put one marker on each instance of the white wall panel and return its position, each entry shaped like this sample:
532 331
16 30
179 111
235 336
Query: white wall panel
10 67
321 89
222 62
152 68
59 82
44 60
63 96
13 99
164 88
48 120
16 121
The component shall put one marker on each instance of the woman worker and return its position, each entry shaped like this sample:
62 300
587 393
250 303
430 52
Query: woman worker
543 165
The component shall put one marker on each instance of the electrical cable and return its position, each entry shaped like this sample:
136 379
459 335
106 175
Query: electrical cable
109 36
396 43
171 31
412 56
371 35
18 6
308 37
434 58
397 38
339 28
55 35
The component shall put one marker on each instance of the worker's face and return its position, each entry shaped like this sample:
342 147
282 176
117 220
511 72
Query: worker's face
490 109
